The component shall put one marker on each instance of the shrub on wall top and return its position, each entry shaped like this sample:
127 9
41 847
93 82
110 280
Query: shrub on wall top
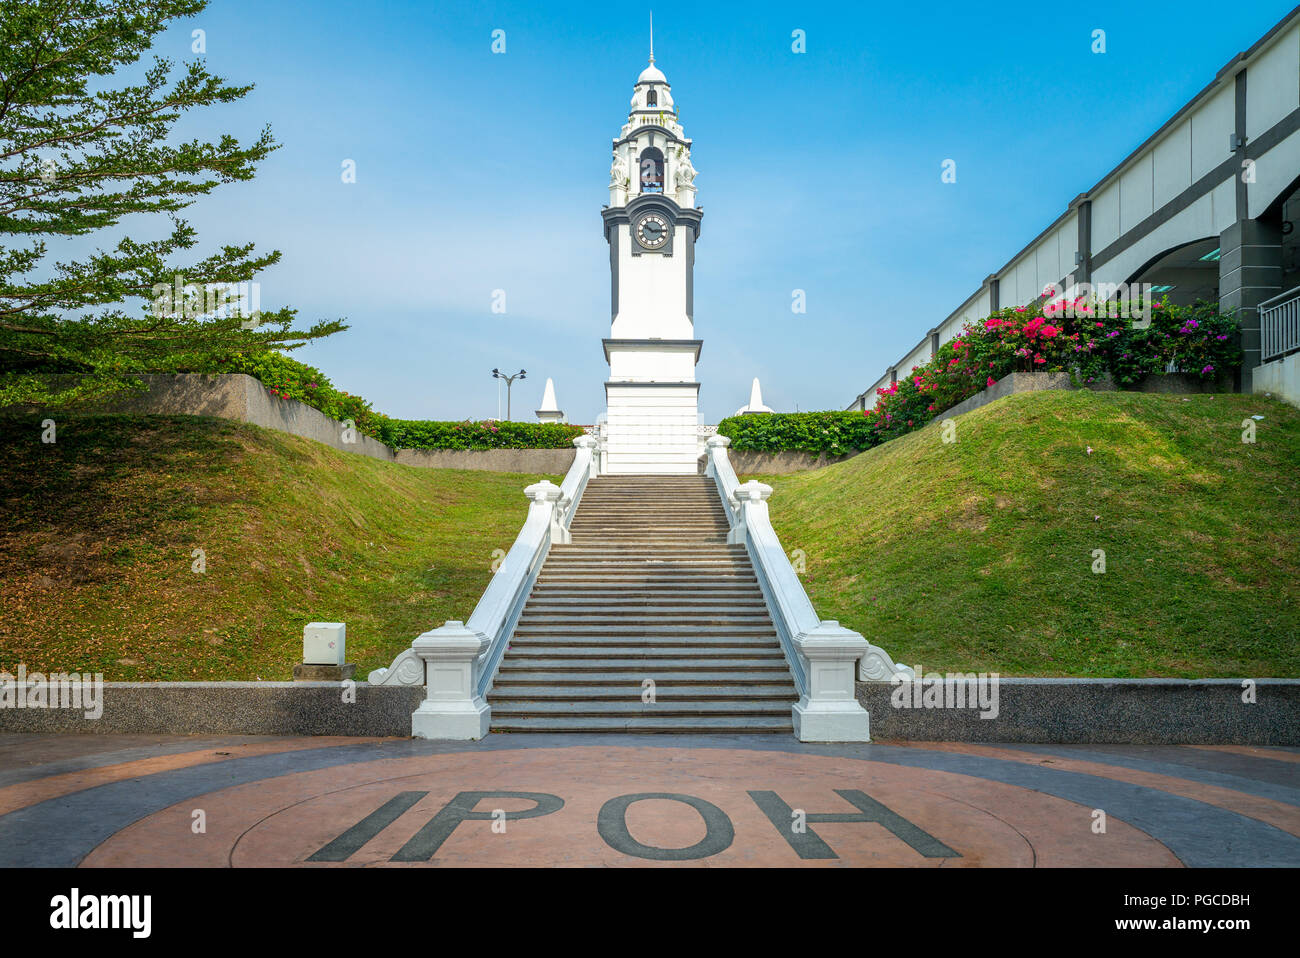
287 378
490 434
1086 340
832 433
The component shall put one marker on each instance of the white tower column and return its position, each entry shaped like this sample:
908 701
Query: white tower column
652 396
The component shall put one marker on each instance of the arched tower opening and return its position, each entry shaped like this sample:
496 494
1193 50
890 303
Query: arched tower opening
652 170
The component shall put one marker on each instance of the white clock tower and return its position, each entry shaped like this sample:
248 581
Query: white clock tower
651 225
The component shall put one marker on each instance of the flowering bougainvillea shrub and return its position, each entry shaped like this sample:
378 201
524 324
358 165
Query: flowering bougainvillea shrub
1086 340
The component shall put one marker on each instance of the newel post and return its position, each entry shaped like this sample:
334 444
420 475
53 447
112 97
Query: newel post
586 447
452 707
830 712
545 496
749 496
716 447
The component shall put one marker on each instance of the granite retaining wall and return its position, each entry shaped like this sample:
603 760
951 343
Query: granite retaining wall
1029 710
243 398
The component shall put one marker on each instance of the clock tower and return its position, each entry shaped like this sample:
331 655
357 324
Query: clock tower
651 225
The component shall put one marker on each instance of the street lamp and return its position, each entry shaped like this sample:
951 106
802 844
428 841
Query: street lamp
510 381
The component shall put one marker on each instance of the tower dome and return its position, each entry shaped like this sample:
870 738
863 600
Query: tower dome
652 74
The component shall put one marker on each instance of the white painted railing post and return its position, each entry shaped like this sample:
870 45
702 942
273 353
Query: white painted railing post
458 656
823 655
452 707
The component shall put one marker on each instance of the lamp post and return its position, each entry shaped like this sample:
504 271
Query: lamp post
510 381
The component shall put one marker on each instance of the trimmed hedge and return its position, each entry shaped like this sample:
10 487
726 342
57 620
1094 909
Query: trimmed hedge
832 433
428 434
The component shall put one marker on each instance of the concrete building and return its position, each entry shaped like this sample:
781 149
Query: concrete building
1204 208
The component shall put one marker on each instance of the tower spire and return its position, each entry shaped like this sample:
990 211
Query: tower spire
652 36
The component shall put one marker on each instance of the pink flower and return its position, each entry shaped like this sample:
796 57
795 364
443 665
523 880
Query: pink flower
990 382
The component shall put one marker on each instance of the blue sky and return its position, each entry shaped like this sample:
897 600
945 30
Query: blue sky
819 171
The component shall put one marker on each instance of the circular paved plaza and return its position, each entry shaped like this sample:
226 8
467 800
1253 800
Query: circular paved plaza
659 801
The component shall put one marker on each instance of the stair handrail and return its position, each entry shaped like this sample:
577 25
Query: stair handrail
457 661
550 527
824 657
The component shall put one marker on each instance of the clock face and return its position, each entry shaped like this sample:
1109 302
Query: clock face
652 231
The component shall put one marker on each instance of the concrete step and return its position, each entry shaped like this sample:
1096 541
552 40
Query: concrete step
748 645
617 668
648 629
671 503
633 690
615 550
665 724
628 562
677 507
705 567
614 517
524 652
509 707
656 605
649 532
735 678
546 616
631 594
661 622
659 569
603 582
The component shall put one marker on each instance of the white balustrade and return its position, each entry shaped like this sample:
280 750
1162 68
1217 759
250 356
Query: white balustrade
824 657
457 661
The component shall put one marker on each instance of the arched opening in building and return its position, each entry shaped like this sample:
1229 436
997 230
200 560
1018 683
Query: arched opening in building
1185 273
652 98
652 170
1285 211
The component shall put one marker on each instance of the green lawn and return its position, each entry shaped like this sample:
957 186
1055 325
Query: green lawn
97 531
977 555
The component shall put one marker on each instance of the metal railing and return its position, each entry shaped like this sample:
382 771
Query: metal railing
1279 325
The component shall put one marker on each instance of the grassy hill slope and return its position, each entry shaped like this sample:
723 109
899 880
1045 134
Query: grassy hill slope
978 555
97 532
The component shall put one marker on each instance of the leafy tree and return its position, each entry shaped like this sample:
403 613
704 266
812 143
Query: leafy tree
78 152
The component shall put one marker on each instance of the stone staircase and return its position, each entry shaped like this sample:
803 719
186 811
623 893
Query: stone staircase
648 590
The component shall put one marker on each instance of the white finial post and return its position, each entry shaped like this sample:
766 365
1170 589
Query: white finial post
755 403
652 36
550 411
